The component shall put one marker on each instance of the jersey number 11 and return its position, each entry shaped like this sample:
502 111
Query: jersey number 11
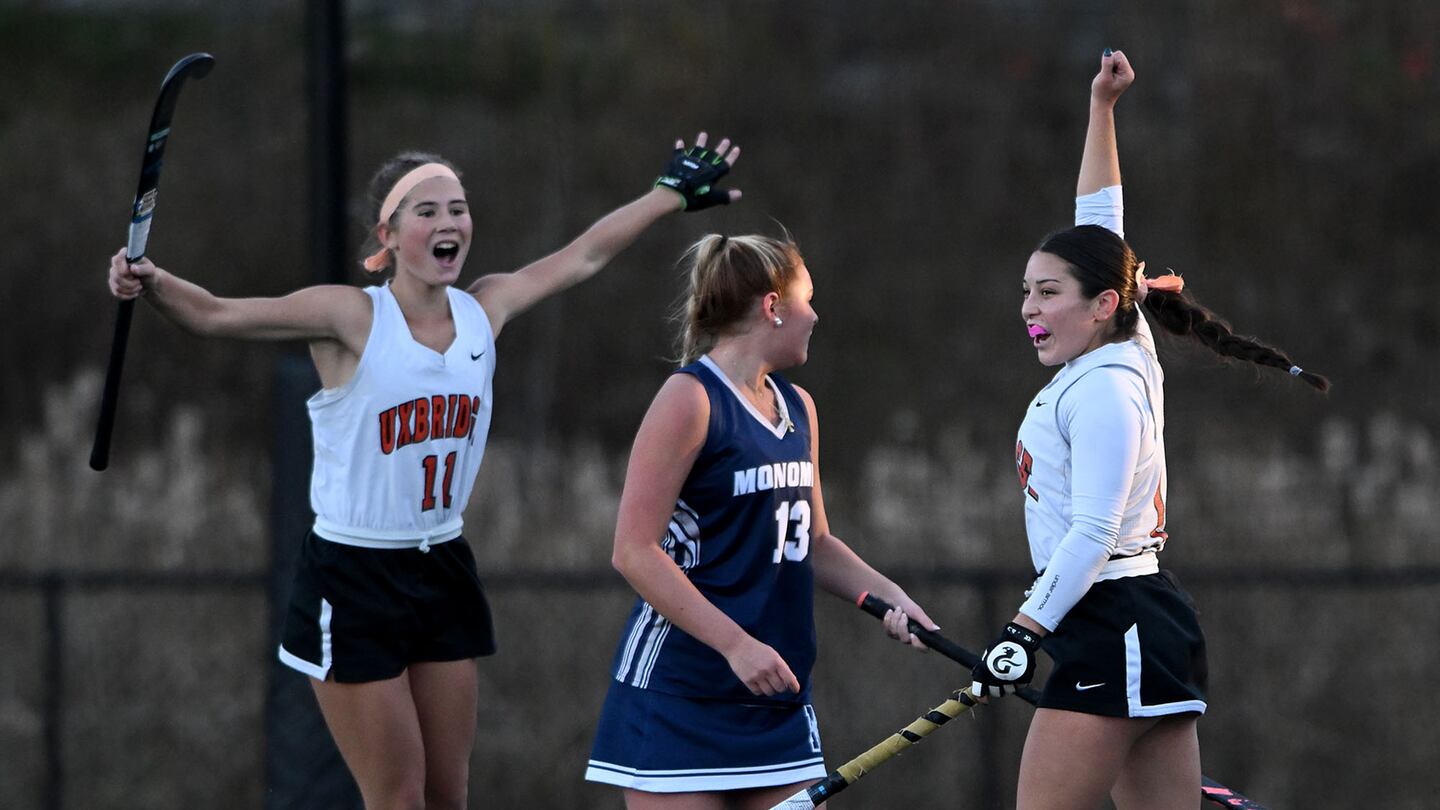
430 463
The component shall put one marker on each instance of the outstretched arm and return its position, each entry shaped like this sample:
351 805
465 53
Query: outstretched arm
1100 163
314 313
505 295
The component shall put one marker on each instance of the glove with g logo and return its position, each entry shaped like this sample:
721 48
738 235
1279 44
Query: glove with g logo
1008 664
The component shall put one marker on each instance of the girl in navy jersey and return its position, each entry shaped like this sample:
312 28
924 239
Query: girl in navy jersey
387 614
1118 713
722 532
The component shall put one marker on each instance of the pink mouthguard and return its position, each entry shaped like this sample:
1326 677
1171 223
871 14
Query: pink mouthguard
1036 330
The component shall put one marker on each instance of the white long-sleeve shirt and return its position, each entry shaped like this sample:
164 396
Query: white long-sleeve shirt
1091 459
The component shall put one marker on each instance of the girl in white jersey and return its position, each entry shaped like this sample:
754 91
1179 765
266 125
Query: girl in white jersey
1118 713
387 614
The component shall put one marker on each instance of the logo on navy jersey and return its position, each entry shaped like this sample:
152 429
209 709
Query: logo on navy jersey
771 476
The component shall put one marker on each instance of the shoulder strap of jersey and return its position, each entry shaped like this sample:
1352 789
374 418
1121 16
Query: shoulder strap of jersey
465 306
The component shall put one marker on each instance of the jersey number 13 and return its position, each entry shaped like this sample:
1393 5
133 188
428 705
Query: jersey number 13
790 546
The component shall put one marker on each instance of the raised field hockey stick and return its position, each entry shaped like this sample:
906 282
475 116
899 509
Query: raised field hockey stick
196 66
850 773
877 607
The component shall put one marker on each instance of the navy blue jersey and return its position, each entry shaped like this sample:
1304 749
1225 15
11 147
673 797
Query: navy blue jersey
741 533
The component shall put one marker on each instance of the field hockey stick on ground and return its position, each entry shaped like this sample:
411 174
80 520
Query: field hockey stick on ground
877 607
850 773
194 66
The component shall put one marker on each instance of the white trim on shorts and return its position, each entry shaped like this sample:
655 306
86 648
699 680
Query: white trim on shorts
1132 684
705 780
316 671
387 538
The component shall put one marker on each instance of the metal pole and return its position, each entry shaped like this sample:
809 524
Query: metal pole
303 767
51 587
326 82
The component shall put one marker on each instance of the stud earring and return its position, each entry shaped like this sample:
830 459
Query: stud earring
778 323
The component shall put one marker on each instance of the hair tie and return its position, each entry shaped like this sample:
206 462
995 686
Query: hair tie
1169 283
377 261
1295 371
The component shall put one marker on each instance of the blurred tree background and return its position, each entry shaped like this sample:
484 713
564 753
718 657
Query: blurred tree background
1282 155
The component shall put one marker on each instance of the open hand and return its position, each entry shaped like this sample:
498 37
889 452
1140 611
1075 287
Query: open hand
692 173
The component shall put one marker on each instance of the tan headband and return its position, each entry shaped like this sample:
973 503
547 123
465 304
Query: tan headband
408 182
380 259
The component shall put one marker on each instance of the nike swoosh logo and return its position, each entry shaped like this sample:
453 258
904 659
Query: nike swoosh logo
478 356
1038 404
1087 687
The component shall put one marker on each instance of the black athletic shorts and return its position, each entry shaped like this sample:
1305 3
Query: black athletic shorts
1131 647
365 614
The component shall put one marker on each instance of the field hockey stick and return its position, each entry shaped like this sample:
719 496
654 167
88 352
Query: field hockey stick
877 607
196 66
850 773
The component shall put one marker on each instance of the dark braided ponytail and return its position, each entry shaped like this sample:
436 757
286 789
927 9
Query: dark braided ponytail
1100 260
1180 316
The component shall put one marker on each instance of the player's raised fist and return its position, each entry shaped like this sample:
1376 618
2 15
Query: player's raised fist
1115 75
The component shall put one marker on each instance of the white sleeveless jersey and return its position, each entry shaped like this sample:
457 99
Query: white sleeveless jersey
397 448
1091 460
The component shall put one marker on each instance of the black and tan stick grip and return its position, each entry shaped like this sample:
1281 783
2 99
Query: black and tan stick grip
850 773
878 607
